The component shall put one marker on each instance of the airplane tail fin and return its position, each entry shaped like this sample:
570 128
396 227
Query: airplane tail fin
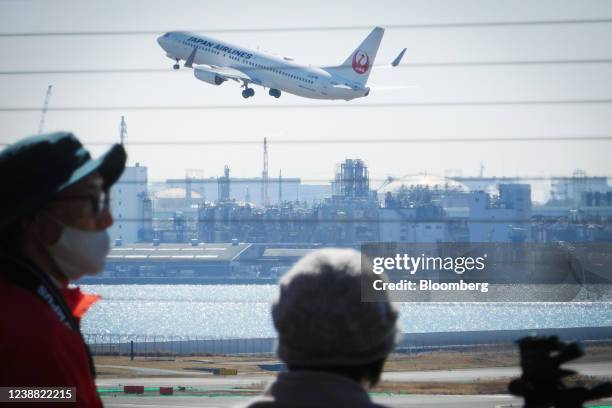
358 65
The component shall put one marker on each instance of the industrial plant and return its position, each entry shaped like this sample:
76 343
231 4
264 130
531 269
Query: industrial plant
226 228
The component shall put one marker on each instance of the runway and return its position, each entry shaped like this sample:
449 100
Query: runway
206 381
398 401
472 374
395 401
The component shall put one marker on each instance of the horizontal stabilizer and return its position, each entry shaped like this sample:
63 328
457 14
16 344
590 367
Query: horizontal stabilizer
398 59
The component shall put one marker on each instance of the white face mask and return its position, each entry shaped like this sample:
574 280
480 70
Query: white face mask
80 252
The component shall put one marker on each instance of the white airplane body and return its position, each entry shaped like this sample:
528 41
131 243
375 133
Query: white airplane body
215 62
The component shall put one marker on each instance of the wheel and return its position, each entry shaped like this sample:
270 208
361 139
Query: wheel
275 93
251 91
176 66
245 93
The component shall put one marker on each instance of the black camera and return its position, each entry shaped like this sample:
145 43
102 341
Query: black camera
541 382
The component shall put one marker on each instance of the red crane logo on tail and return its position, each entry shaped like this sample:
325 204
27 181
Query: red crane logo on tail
361 62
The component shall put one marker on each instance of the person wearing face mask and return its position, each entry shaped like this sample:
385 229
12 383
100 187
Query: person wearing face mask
54 216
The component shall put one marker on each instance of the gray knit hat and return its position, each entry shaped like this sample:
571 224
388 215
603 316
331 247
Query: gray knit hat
320 318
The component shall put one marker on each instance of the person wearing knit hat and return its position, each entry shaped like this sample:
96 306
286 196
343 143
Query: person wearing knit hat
333 343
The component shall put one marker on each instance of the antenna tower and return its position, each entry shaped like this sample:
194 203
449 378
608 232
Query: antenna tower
43 115
264 175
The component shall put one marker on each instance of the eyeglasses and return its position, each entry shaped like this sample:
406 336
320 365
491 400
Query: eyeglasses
99 202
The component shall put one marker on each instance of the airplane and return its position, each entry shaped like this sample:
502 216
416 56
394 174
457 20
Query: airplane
215 62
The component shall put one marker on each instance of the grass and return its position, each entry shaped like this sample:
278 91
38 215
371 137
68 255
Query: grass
482 357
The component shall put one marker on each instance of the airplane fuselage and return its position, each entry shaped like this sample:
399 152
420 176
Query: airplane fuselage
263 69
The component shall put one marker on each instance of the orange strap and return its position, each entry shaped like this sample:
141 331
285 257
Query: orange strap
79 302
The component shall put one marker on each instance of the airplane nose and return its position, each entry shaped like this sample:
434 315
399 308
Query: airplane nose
160 41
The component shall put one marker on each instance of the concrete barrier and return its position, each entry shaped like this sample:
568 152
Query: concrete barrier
225 371
133 389
166 391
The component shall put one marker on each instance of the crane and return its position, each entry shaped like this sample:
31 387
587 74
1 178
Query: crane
388 180
41 125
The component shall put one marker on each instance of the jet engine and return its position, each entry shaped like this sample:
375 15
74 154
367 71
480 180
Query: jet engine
208 76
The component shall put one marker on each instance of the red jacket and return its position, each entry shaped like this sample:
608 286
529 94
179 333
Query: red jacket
37 349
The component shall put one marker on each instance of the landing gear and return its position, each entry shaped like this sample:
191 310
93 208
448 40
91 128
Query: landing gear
275 93
176 66
248 92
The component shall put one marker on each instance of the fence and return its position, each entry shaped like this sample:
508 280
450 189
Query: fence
160 346
170 346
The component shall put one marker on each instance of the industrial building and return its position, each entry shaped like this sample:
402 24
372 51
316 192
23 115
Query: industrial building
155 260
131 207
347 217
246 189
198 229
502 218
423 209
569 190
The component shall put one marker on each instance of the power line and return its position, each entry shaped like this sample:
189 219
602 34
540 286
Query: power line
363 141
383 141
404 66
326 141
311 106
92 71
501 63
476 24
376 220
405 179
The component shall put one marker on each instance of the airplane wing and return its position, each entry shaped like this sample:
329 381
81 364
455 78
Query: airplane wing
342 86
224 72
218 75
231 73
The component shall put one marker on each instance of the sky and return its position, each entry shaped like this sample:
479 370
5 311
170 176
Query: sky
185 135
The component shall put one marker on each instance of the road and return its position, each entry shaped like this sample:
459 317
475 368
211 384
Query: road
471 374
156 371
204 382
396 401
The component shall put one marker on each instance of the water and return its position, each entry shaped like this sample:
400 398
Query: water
243 311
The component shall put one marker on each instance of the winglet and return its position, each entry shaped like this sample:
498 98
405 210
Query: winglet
398 59
189 62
